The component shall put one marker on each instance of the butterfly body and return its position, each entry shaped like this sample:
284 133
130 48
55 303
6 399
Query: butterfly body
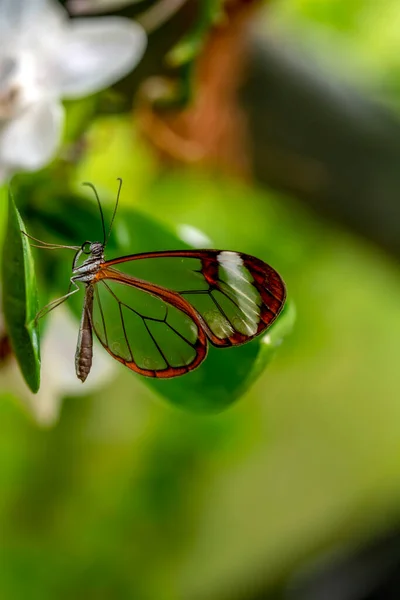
84 347
85 273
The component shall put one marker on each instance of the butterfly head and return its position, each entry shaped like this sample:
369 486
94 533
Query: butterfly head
94 252
93 249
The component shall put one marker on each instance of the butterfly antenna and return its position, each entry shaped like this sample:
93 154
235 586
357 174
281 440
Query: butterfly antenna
88 184
115 209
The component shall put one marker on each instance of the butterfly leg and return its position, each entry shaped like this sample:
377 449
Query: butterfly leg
54 303
45 245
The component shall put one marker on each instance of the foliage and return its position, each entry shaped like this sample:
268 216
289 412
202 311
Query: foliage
358 40
20 303
126 497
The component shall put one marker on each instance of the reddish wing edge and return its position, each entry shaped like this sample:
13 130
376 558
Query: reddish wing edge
266 280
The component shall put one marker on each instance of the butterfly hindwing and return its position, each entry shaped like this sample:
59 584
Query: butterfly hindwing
147 333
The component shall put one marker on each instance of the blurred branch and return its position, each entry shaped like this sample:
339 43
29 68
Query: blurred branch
329 145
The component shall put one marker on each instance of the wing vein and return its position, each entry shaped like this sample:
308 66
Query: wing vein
180 335
124 330
221 310
156 344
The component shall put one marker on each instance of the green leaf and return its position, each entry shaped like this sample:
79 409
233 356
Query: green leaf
227 373
3 211
20 298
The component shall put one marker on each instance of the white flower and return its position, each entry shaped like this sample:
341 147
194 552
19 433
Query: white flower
80 7
58 370
44 57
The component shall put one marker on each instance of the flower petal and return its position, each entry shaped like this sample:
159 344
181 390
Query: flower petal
30 141
98 52
80 7
24 14
58 371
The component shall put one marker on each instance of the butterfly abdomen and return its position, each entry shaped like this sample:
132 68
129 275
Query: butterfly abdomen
84 348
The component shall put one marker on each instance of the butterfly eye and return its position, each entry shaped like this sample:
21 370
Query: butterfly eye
86 248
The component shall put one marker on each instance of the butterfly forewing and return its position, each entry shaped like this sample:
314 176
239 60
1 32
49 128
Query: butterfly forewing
159 306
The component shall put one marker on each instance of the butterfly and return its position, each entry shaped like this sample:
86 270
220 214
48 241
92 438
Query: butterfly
157 312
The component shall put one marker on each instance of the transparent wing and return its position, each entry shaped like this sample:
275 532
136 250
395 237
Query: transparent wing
235 296
156 336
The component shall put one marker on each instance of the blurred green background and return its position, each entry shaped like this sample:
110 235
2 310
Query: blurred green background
118 493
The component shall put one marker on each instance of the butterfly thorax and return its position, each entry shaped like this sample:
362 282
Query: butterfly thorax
86 272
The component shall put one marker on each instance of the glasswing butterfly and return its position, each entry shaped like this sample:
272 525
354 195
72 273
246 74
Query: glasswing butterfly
156 312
